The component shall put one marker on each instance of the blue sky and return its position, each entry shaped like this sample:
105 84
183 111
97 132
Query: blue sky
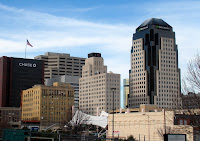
81 27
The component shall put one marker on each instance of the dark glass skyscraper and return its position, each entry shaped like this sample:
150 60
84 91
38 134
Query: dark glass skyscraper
17 74
154 76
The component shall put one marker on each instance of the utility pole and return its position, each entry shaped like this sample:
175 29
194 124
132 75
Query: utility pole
113 89
148 128
164 121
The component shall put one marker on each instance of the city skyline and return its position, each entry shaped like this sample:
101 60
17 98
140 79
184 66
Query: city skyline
79 28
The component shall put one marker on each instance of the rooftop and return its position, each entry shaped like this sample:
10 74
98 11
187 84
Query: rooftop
94 55
154 21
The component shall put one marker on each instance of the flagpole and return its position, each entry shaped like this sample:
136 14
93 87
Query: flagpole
25 49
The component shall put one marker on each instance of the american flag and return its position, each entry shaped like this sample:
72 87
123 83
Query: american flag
29 43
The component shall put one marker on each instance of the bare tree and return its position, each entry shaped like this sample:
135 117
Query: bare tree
162 132
193 75
190 99
191 85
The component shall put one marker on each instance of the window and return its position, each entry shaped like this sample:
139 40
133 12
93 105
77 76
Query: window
181 122
185 122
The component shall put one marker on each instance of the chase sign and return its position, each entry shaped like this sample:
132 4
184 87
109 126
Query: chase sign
30 65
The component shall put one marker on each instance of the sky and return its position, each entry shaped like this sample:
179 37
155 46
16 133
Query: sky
79 27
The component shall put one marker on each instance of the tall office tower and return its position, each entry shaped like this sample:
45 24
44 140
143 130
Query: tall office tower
17 74
48 104
61 64
72 80
95 86
154 76
125 92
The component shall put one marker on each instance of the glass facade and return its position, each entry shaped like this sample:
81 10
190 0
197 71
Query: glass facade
18 74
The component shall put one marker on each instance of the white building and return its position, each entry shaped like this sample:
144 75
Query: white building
149 123
95 94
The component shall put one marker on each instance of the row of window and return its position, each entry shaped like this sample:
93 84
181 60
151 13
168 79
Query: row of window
168 57
137 54
138 46
168 82
137 58
137 42
168 53
141 78
165 61
166 86
167 40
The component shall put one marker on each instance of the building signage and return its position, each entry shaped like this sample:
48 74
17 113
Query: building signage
116 132
30 65
143 28
163 27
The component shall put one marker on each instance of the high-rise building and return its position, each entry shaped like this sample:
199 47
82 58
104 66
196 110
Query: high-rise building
125 92
154 76
96 86
61 64
17 74
48 104
72 80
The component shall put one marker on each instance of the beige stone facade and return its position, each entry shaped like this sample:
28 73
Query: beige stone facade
145 123
95 94
61 64
48 104
168 76
138 77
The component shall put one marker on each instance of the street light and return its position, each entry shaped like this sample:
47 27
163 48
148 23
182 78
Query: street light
113 89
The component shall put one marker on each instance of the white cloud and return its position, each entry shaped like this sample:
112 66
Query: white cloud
63 34
48 32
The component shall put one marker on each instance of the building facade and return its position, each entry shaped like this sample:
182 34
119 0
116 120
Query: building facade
72 80
61 64
48 104
17 74
148 122
154 76
190 101
10 116
125 92
95 93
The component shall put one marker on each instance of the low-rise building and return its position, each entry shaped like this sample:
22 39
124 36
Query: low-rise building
48 104
149 123
191 101
10 117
